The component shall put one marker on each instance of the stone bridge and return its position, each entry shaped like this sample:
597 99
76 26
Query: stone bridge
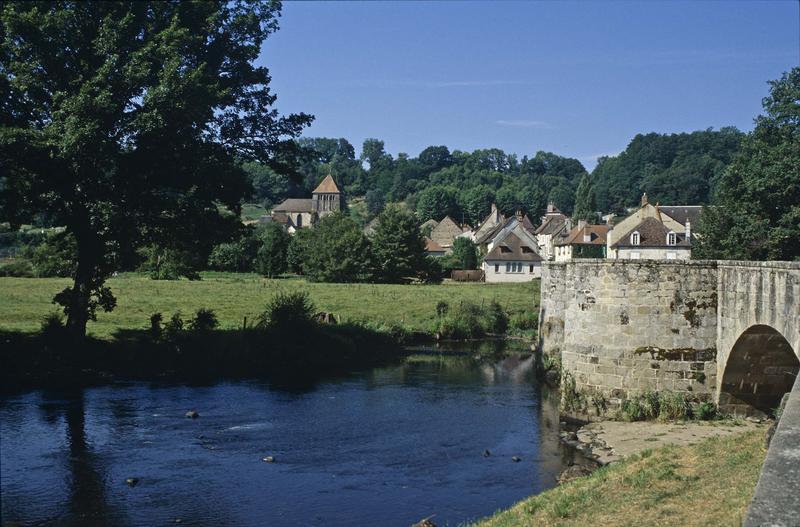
722 331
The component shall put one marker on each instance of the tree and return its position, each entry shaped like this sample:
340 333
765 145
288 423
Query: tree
584 201
755 214
398 249
124 121
375 202
298 250
436 202
271 256
477 202
465 254
338 251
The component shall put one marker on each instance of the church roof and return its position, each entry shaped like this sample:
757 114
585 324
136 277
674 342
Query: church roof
294 205
328 186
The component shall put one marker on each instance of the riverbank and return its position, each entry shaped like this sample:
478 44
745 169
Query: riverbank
709 483
236 297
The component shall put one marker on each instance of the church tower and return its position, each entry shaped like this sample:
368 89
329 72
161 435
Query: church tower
326 198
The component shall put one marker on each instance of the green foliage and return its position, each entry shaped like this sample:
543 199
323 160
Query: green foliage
465 255
674 406
498 319
288 311
666 406
174 326
600 403
375 202
18 268
436 202
678 169
476 202
164 263
469 320
398 250
237 256
271 258
338 251
298 249
127 122
585 203
755 213
573 400
204 320
706 411
52 326
525 320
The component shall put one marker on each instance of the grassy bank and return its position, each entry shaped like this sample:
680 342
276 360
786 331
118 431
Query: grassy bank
25 301
707 484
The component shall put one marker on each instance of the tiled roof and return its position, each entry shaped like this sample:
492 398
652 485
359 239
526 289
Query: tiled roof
294 205
552 224
652 233
432 247
513 249
328 186
576 236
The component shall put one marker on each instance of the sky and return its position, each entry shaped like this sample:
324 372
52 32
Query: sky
579 79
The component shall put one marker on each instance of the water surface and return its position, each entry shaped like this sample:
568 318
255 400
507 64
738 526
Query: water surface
389 446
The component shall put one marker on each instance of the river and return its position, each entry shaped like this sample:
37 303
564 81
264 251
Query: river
384 447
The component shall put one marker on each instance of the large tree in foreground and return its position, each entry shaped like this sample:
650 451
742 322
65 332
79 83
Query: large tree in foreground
124 121
756 208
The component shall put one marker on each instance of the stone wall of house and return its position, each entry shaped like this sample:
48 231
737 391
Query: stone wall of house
632 326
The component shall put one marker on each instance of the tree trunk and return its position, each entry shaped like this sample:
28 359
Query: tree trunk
78 305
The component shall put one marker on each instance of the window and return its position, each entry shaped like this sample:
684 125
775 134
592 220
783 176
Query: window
496 268
635 256
672 239
526 249
299 221
508 267
635 238
530 268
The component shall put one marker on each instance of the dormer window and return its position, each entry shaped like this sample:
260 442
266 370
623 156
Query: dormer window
505 249
635 238
526 249
672 238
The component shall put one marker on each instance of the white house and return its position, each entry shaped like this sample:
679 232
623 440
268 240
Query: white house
512 260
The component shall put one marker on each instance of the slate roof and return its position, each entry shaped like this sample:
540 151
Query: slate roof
328 186
294 205
490 235
513 249
652 233
552 224
681 213
576 236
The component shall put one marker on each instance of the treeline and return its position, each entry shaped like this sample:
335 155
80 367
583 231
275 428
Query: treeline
675 169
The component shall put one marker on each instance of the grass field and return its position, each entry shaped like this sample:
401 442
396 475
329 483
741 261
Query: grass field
707 484
25 301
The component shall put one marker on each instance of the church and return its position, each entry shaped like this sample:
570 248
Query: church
296 213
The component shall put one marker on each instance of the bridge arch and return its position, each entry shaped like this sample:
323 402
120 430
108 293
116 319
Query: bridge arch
760 368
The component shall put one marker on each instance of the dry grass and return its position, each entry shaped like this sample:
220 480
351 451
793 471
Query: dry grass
25 301
707 484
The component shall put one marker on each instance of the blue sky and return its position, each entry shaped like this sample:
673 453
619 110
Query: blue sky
578 79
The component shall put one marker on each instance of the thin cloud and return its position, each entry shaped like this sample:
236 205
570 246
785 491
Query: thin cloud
522 123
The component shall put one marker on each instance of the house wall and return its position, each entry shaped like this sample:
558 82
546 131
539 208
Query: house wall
646 211
651 253
502 276
562 252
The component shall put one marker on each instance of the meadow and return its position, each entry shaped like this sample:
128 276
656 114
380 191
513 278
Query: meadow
24 302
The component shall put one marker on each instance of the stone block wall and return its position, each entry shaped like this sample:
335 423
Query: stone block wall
633 326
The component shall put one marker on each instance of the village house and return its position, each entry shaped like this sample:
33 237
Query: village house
299 213
444 233
519 224
512 260
653 232
583 241
555 225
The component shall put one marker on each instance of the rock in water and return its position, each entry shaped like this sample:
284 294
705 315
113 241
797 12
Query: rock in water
516 459
131 482
192 414
268 459
486 453
424 523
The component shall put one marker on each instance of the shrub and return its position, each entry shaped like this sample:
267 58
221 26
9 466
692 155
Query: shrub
572 399
525 321
56 256
19 269
641 407
673 406
53 325
706 411
600 403
441 308
164 263
174 326
235 256
288 310
155 325
498 319
204 320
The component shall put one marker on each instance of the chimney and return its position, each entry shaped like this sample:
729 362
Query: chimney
520 216
581 224
550 206
688 231
494 208
644 199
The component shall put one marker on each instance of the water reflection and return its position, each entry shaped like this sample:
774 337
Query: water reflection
383 447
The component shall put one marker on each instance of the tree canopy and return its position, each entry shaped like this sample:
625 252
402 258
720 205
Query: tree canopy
755 213
124 121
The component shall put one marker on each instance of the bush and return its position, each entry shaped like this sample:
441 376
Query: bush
53 326
174 326
235 256
288 311
706 411
163 263
56 256
498 319
641 407
155 325
19 269
271 256
525 321
204 320
673 406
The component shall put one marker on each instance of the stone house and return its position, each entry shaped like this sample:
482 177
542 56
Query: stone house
583 241
433 249
300 213
555 225
653 232
519 224
512 260
445 232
